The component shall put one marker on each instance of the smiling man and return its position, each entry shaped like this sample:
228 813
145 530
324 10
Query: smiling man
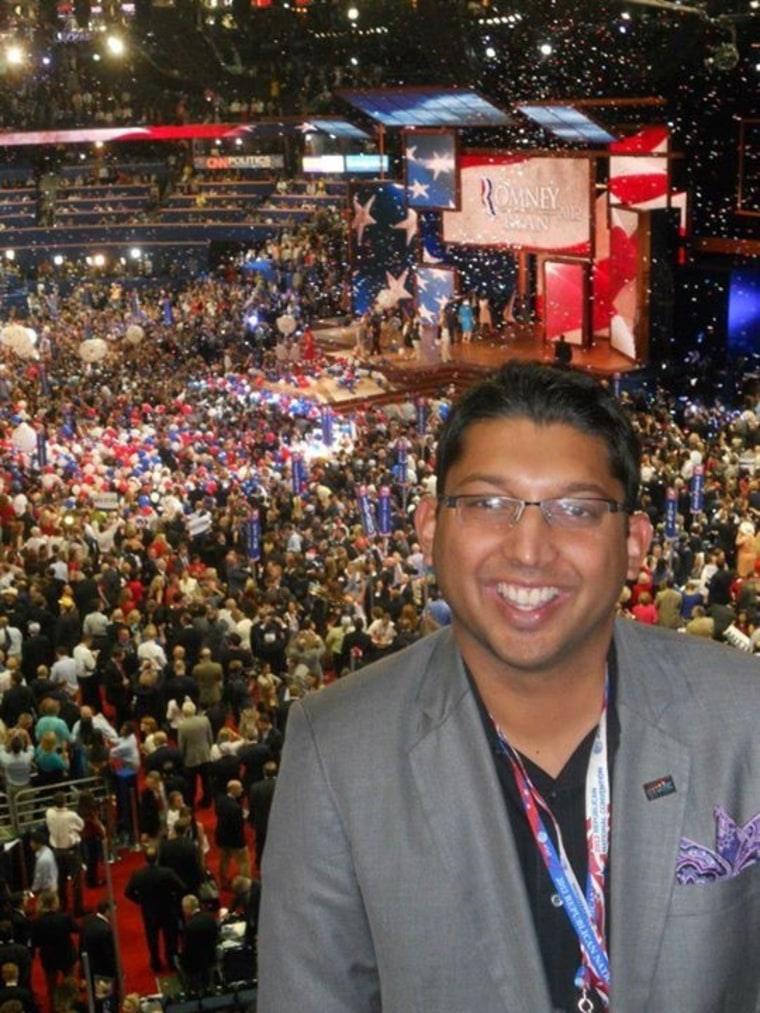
559 811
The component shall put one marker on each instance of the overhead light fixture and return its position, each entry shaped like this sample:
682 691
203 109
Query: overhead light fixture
724 56
15 55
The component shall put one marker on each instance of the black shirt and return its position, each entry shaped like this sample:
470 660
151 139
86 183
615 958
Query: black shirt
565 796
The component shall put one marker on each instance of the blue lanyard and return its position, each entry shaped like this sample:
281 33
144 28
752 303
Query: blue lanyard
586 910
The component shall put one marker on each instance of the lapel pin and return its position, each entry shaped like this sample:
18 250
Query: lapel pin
660 788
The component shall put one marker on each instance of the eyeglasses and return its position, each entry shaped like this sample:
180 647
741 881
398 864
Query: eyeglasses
569 513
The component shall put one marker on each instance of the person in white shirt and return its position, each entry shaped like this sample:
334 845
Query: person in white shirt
99 722
151 650
45 868
16 762
96 623
65 829
86 659
11 638
382 631
64 671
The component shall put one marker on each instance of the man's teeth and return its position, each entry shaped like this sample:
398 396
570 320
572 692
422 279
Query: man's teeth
527 597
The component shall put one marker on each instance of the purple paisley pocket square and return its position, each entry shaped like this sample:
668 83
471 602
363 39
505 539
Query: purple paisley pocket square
736 849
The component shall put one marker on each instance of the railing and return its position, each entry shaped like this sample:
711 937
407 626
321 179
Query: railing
26 808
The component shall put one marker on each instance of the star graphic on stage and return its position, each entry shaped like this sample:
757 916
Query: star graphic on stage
397 286
384 261
409 225
440 163
431 175
435 288
427 315
362 217
417 190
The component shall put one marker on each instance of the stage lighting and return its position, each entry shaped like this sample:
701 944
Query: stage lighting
723 57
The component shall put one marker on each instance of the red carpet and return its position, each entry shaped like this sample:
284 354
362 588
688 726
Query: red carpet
133 949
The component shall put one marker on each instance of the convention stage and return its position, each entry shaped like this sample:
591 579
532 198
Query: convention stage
395 374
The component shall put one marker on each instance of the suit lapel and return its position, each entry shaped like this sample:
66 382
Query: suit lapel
645 830
461 800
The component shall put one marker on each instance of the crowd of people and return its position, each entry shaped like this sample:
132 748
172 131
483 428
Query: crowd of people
186 550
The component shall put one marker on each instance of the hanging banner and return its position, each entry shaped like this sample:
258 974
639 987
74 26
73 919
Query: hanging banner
384 511
671 512
402 460
44 381
299 474
698 490
421 415
253 536
365 511
42 458
327 425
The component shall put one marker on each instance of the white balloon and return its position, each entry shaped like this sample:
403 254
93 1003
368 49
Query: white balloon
286 324
24 437
135 334
93 350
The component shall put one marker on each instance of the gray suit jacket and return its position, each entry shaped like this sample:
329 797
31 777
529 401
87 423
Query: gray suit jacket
391 880
195 739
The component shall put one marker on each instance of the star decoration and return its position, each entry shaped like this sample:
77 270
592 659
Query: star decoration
362 217
440 163
397 286
409 224
417 190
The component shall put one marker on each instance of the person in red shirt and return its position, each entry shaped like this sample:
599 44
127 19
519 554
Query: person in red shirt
645 611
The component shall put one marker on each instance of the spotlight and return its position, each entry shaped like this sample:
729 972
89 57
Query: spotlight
115 45
15 55
723 57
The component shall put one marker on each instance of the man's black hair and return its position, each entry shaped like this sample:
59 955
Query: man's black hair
546 396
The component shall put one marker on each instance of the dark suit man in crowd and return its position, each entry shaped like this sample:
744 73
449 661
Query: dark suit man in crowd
14 952
17 700
260 798
158 891
166 759
181 853
200 936
97 941
230 833
12 991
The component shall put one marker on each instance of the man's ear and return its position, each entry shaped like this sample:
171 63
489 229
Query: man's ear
640 534
425 518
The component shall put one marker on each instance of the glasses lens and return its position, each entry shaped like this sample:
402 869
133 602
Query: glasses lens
488 511
575 513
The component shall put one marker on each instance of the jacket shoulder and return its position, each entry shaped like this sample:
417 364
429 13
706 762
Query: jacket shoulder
388 691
